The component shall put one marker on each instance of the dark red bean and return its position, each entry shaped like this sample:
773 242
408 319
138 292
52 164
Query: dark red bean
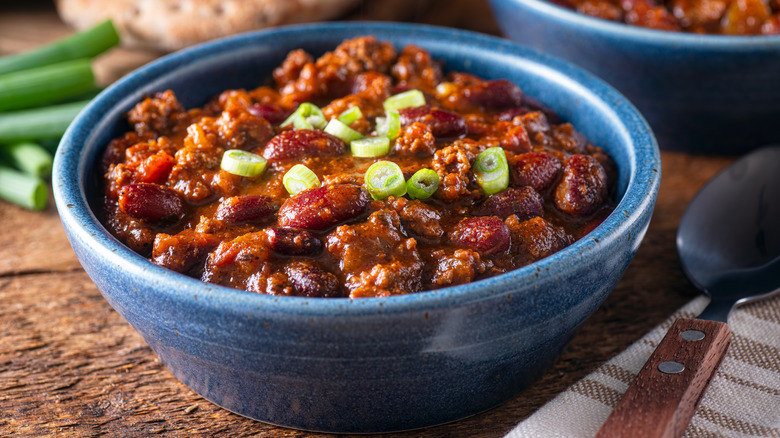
508 115
303 143
323 207
443 124
312 281
524 202
539 170
488 235
583 186
245 209
275 114
151 202
292 242
495 95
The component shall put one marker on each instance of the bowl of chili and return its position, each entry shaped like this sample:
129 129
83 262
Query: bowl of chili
711 93
348 364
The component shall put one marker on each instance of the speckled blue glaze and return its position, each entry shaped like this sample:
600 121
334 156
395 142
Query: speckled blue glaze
369 365
701 93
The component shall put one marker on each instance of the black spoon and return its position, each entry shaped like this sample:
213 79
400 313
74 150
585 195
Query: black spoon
729 246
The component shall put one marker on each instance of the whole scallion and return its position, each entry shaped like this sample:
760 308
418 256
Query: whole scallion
44 85
29 157
38 123
86 44
22 189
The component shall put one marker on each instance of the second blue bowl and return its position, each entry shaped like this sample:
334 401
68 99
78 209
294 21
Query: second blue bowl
708 94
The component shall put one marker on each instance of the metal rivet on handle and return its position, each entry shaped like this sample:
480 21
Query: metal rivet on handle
671 367
692 335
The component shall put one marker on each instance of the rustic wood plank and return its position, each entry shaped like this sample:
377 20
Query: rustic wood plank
33 241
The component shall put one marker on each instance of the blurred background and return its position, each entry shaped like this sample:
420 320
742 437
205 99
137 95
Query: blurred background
151 28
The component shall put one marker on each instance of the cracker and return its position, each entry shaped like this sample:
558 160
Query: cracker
174 24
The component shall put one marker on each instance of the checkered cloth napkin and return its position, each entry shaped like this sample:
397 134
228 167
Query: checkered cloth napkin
742 401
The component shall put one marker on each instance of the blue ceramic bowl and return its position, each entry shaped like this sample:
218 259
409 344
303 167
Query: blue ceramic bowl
375 364
701 93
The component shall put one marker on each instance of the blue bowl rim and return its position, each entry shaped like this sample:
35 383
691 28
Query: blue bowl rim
78 218
678 40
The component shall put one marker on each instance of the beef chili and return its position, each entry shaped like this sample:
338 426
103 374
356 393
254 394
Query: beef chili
727 17
367 172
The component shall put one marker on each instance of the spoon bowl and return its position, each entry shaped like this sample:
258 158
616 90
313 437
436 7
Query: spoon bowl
729 237
729 246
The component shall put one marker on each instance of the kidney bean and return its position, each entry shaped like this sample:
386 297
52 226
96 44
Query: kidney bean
488 235
495 95
312 281
443 124
271 112
323 207
583 186
303 143
538 170
151 202
524 202
244 209
292 242
508 115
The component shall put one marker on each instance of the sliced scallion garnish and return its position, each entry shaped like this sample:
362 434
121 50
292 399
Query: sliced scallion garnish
383 179
422 184
339 129
491 170
242 163
407 99
300 178
370 147
306 116
389 126
351 115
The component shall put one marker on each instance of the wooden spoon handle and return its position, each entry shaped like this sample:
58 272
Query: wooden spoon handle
662 399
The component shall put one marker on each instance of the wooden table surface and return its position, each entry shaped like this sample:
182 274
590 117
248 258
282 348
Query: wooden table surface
71 366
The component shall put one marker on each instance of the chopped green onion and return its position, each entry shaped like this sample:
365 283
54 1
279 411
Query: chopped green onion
351 115
300 178
406 99
306 116
86 44
385 178
30 158
22 189
44 85
242 163
370 147
422 184
389 126
38 123
341 130
492 170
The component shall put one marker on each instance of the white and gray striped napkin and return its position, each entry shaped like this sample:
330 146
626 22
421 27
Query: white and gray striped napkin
742 401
